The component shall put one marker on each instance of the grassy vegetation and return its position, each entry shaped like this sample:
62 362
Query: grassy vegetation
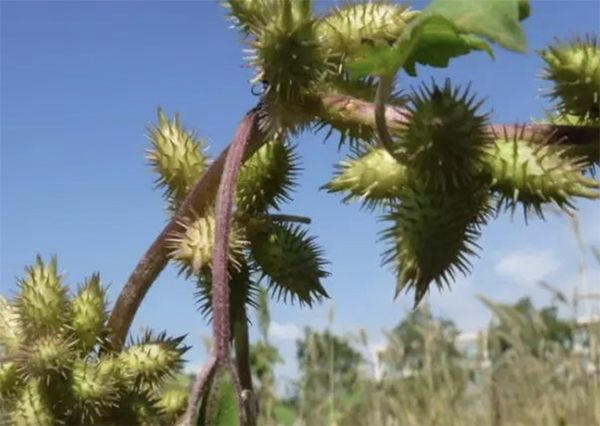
531 366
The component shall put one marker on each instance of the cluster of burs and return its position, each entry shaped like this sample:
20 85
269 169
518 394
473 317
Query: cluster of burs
449 173
53 370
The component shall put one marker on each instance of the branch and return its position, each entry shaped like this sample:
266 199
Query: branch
220 278
289 218
156 257
350 110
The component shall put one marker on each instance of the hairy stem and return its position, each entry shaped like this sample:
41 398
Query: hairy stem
219 357
156 257
347 109
223 218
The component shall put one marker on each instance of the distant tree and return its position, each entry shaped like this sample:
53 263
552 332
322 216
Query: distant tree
329 383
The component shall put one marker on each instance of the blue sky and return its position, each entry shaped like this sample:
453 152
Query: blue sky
81 80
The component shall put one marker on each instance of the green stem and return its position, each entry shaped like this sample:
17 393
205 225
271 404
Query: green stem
381 95
241 344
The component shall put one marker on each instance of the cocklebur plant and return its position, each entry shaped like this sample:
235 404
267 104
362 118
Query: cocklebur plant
52 371
428 161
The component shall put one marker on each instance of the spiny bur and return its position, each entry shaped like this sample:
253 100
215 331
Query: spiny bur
57 374
89 313
445 137
432 235
42 304
531 170
177 156
373 177
574 70
192 248
267 178
343 30
291 261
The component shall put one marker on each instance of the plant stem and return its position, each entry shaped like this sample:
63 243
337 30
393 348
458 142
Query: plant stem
381 95
223 218
242 362
156 257
289 218
219 357
342 108
347 109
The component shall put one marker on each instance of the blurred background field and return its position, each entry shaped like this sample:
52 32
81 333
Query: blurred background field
532 365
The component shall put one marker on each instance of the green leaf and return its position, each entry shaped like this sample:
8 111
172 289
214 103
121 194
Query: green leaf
440 41
219 406
430 39
444 30
496 20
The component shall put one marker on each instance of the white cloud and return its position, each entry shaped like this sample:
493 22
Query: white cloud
528 267
285 331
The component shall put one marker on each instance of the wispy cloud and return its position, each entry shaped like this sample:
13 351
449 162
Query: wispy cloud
286 331
528 267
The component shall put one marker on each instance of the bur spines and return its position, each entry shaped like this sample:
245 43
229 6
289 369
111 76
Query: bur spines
574 70
445 137
345 29
374 177
152 359
530 170
267 178
177 157
89 313
193 246
291 261
42 303
60 377
32 406
433 234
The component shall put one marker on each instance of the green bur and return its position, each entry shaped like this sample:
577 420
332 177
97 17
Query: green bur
152 359
172 403
42 302
47 357
533 172
432 235
291 261
574 70
374 177
345 29
89 313
32 407
94 388
444 139
266 178
176 156
193 247
9 380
